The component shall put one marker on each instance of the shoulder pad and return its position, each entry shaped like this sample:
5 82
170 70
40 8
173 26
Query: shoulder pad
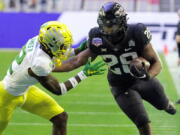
94 32
95 40
142 33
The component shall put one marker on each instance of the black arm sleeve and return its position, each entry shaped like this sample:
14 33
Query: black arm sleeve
178 29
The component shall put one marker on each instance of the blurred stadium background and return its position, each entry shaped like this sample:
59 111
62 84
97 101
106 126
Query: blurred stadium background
91 108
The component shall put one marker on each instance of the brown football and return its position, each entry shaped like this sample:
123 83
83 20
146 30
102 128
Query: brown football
138 62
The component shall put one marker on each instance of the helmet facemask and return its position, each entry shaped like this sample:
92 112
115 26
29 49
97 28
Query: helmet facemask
62 54
57 39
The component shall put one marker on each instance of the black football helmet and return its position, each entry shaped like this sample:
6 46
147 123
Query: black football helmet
112 18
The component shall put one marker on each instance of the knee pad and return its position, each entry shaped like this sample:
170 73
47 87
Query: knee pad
141 120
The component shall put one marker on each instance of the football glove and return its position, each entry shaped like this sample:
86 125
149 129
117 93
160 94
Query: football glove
139 73
94 69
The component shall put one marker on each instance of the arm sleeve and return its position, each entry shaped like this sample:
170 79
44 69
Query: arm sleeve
178 29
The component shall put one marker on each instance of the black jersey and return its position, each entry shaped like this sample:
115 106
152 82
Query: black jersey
178 28
118 58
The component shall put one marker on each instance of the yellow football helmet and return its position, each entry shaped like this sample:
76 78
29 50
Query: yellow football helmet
57 38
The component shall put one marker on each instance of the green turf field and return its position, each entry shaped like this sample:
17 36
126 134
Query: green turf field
92 110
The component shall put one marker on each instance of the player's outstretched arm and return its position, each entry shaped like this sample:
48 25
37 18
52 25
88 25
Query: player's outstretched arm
75 62
76 51
59 88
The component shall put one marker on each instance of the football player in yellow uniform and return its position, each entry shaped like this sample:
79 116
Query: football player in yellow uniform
37 59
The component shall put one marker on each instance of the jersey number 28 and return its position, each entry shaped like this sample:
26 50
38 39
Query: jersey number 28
124 60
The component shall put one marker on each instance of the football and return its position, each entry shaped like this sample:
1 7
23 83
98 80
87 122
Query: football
138 63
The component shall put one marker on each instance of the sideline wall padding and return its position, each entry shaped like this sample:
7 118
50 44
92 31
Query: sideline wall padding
17 28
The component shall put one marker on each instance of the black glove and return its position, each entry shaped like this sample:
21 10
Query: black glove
139 73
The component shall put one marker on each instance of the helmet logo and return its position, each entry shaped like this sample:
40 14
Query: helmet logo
97 42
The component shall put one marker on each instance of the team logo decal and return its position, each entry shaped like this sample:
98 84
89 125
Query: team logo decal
97 41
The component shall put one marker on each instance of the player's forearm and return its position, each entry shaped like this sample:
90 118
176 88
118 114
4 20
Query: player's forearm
177 38
69 65
51 84
77 51
75 62
155 69
60 88
72 82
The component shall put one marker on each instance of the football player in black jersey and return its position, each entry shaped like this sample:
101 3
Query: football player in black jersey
178 43
178 38
118 43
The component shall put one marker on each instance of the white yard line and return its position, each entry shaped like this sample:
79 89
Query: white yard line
86 113
111 103
85 125
109 95
120 113
171 60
